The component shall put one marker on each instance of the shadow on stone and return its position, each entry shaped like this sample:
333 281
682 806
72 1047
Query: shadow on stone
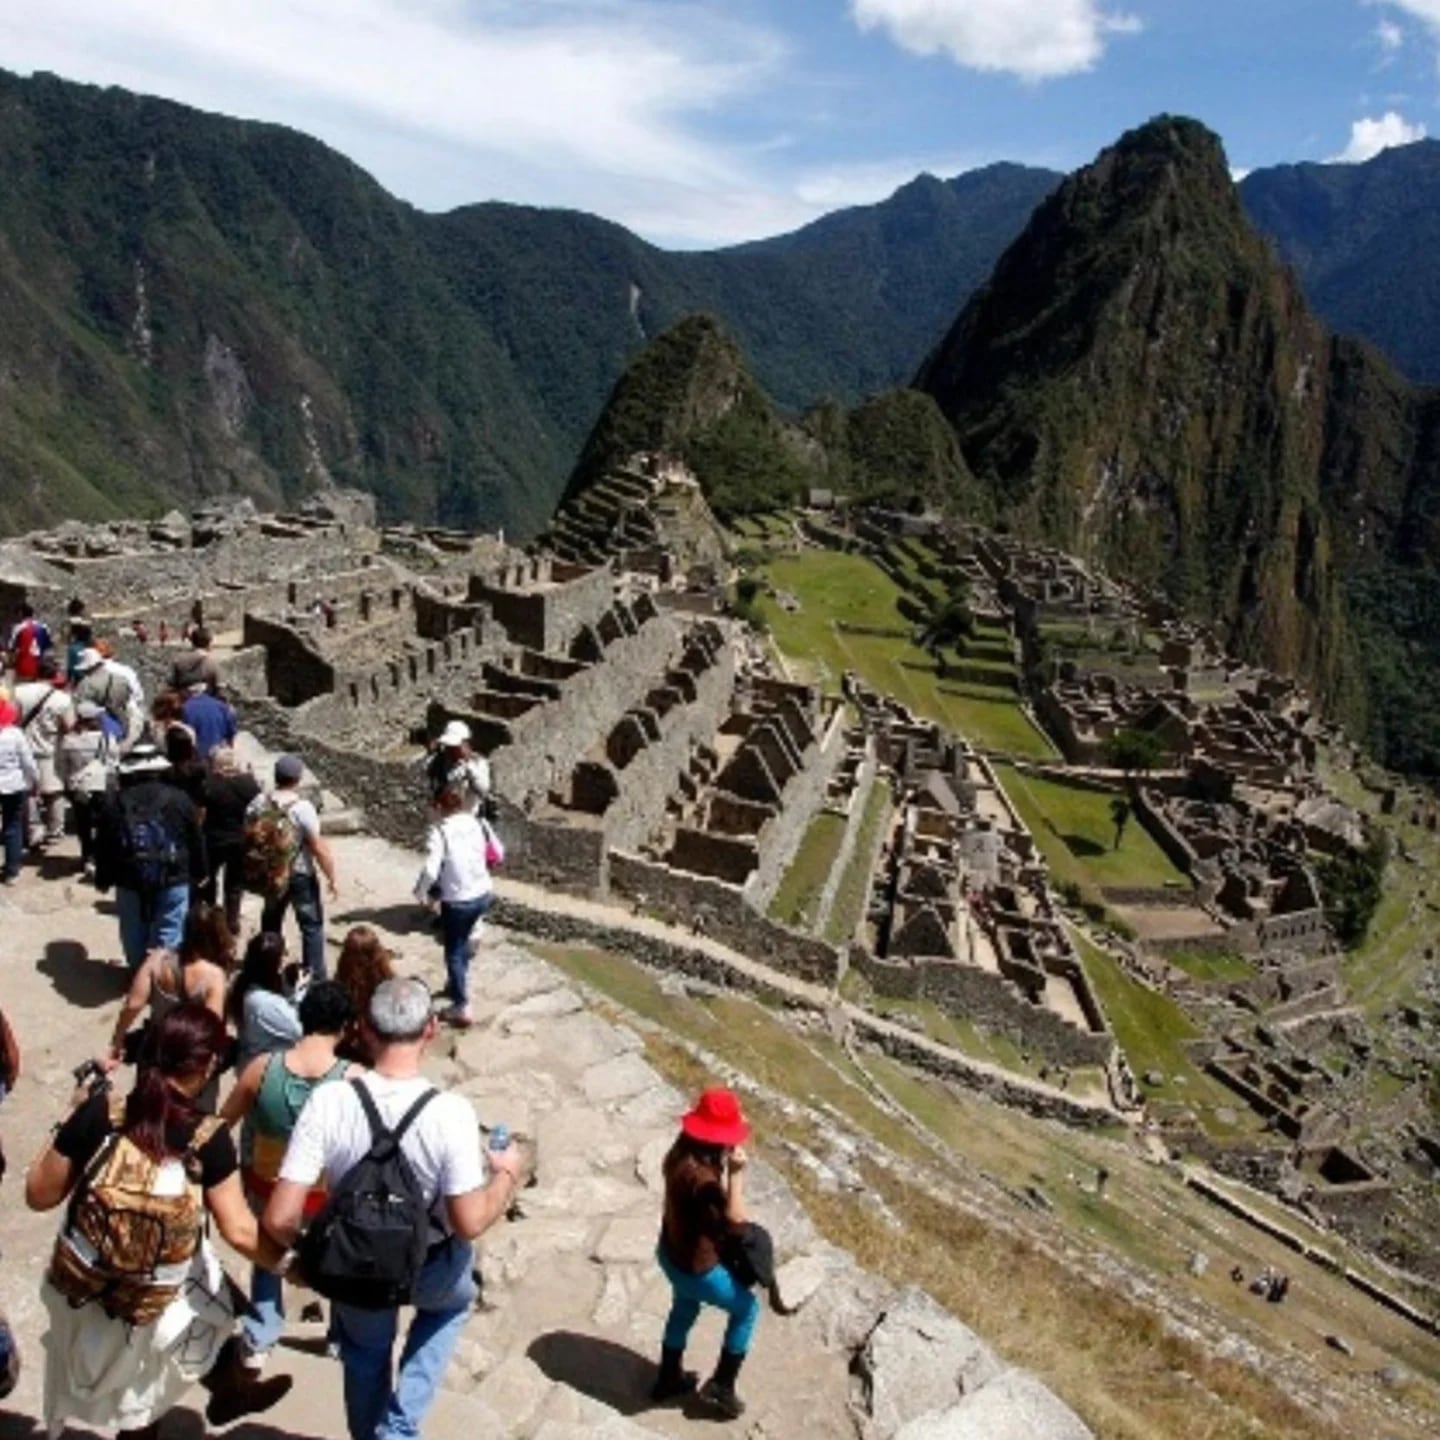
613 1374
79 979
179 1424
408 919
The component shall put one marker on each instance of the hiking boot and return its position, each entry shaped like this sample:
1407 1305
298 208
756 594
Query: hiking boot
673 1382
719 1390
236 1390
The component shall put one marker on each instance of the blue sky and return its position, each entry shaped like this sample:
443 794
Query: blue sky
701 122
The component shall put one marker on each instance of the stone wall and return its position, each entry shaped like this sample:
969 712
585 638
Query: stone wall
724 913
987 999
569 856
543 604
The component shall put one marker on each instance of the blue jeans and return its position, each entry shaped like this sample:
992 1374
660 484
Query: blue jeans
263 1330
716 1287
378 1407
457 920
303 893
151 920
13 805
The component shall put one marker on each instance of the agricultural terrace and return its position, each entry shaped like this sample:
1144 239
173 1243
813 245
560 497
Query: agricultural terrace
1075 831
848 618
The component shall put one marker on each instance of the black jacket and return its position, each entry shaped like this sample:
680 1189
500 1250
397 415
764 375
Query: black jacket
159 809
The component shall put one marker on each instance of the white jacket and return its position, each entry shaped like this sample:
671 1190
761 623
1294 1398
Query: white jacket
17 762
455 861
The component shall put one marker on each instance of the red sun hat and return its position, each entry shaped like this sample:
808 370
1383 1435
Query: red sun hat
716 1119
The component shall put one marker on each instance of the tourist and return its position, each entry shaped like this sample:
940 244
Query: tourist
210 718
187 770
364 965
287 810
167 711
150 848
268 1097
442 1145
130 1330
455 880
261 1005
29 642
86 763
46 713
98 680
131 676
195 666
227 794
18 777
198 974
704 1208
82 638
454 766
9 1074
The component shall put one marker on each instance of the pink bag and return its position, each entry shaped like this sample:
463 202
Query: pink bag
494 850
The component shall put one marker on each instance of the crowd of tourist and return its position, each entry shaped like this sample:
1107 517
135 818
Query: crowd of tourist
351 1166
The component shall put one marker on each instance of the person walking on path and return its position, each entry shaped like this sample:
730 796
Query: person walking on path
454 766
18 777
456 880
29 643
229 791
364 965
86 762
439 1137
150 848
704 1210
46 713
262 1006
98 680
268 1097
288 821
210 718
138 1304
195 666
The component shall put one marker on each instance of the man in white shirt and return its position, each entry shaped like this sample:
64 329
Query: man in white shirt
443 1148
456 879
46 713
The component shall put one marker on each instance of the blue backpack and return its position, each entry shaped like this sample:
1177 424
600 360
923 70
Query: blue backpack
151 849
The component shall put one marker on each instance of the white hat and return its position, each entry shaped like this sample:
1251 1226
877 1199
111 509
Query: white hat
457 732
90 659
143 758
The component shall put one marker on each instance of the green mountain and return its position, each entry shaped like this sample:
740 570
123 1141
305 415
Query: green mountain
691 393
1142 381
192 305
1363 239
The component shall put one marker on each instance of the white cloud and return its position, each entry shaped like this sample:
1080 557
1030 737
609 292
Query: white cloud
598 104
1369 136
1426 11
1034 39
1389 36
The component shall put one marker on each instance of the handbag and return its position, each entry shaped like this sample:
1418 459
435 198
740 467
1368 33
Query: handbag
494 849
749 1255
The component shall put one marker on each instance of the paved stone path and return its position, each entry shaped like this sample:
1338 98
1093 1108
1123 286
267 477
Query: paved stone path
564 1342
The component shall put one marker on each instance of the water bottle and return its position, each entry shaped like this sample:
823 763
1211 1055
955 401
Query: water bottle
499 1137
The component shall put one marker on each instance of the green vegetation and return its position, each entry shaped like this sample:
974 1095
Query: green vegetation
854 888
1134 750
1208 964
1074 828
798 897
1352 884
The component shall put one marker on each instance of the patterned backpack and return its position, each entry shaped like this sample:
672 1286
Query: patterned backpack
133 1228
272 841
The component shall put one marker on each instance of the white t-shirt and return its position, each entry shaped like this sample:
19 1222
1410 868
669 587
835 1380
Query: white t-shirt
455 860
442 1145
303 816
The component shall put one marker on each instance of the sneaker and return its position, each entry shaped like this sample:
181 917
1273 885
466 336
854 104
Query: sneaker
457 1015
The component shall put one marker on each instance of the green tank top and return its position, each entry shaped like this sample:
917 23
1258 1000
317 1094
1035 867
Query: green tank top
271 1119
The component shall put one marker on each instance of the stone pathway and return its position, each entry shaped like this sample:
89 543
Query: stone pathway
564 1343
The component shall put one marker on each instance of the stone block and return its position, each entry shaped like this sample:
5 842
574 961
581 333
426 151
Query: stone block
919 1360
1013 1406
580 1041
650 1163
546 1005
618 1079
628 1240
516 1388
798 1279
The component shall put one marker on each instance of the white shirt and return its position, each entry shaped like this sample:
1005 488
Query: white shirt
303 816
17 763
443 1145
455 860
131 676
50 713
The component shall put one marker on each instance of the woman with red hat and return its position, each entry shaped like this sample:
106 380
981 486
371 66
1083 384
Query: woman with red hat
705 1208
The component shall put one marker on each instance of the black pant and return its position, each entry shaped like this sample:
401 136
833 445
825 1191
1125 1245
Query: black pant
82 806
229 858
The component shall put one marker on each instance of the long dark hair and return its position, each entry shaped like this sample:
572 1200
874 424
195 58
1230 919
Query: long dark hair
208 936
262 969
184 1043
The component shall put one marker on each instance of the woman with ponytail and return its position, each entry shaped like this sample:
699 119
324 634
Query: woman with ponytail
139 1306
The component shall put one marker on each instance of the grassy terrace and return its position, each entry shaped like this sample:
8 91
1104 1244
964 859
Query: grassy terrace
1074 830
854 886
798 897
836 590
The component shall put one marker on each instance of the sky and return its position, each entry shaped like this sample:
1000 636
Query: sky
709 122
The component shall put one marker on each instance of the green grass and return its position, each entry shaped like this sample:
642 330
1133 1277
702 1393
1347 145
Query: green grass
849 589
1073 828
798 897
854 887
1218 964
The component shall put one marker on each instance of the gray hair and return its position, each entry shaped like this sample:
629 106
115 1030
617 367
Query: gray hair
400 1008
224 760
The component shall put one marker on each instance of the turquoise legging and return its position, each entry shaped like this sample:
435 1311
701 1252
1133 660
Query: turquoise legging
716 1287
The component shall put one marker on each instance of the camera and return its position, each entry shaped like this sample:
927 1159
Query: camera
90 1075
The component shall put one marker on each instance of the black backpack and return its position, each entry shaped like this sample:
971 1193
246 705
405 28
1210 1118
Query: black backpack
366 1247
151 846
